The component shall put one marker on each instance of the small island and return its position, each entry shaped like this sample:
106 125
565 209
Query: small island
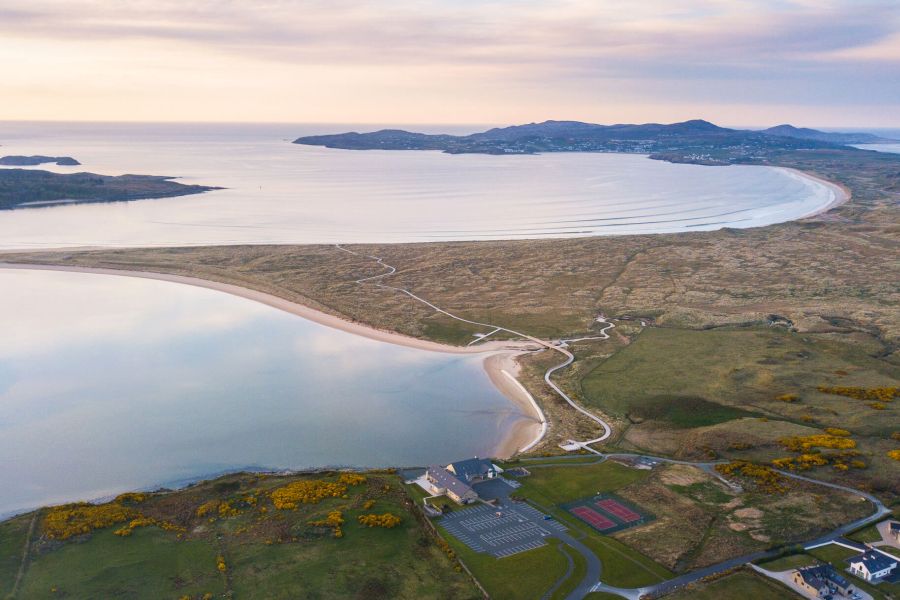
31 161
27 188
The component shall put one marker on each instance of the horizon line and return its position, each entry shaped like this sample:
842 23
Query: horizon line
415 123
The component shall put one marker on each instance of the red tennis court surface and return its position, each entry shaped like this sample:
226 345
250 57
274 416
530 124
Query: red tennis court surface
592 517
617 510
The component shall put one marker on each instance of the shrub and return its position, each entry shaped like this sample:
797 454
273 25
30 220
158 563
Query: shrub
352 478
819 440
788 397
306 492
764 477
63 522
334 520
895 454
386 520
207 507
837 432
881 394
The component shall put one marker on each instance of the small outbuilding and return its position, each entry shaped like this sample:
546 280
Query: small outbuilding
894 530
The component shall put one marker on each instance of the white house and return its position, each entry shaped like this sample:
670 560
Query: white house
872 565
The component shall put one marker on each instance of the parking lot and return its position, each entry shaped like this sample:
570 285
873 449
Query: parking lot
517 528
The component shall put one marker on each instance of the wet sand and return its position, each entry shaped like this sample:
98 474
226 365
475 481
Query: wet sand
842 193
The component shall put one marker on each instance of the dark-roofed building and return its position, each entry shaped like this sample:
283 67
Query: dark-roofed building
872 565
821 581
473 470
445 482
894 530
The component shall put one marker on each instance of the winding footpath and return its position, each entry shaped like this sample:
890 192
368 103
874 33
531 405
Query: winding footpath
376 280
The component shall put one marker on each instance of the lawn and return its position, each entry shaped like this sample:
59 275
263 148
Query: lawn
742 585
623 566
834 554
556 485
578 573
522 576
869 534
787 563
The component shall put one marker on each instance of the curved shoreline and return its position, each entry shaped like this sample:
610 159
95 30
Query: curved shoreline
500 354
842 193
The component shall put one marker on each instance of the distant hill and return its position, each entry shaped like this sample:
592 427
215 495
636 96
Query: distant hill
805 133
30 161
694 141
22 188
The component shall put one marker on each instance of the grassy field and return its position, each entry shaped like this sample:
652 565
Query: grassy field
578 572
243 546
787 563
556 485
522 576
12 543
721 393
832 553
869 534
738 586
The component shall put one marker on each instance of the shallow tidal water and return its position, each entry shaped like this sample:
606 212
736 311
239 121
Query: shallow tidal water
112 383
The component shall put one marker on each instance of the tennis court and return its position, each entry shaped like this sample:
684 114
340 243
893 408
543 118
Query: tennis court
607 513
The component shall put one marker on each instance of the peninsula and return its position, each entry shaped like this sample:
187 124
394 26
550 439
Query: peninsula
696 141
27 188
31 161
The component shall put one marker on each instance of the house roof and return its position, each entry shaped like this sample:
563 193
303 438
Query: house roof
894 526
874 561
445 479
818 576
471 467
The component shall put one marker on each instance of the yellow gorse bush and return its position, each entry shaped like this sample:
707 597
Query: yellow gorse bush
147 522
881 394
334 520
63 522
837 432
386 520
763 476
306 492
820 440
352 478
207 508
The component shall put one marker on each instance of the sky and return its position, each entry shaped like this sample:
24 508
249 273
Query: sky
827 63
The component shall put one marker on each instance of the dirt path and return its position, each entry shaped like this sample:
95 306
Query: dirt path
23 566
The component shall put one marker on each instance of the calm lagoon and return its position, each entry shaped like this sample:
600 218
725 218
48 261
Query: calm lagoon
112 383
